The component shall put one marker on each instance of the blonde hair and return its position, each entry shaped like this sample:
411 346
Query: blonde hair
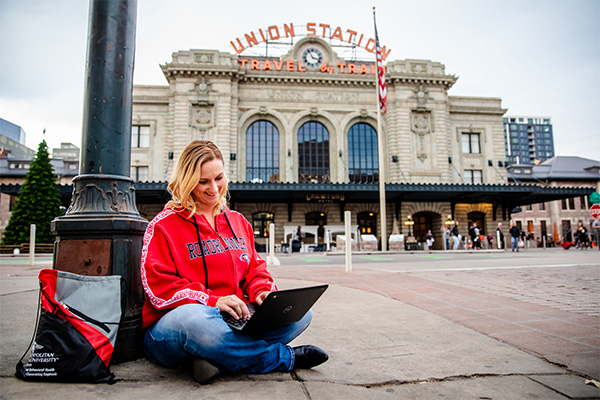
187 174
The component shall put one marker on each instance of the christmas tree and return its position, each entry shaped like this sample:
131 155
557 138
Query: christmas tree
38 203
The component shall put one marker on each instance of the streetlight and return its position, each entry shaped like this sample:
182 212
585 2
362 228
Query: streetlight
449 221
409 222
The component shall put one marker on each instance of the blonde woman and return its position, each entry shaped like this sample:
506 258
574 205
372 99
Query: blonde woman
199 261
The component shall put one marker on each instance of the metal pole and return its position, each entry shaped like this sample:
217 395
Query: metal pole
102 231
347 220
382 156
31 244
271 244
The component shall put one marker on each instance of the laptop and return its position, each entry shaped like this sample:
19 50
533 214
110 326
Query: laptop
279 308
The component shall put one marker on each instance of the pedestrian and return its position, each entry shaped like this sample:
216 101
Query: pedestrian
582 236
455 236
596 228
430 239
474 233
500 236
198 261
297 240
446 234
515 233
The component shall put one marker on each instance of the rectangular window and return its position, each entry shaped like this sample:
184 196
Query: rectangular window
139 174
470 143
543 228
584 202
528 207
140 136
568 204
473 176
542 206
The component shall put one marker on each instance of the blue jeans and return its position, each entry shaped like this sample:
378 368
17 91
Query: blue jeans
514 241
197 331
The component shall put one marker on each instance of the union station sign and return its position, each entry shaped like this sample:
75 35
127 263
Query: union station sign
312 29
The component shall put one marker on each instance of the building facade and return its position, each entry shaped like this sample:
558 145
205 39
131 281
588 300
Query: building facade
553 222
308 120
299 134
528 140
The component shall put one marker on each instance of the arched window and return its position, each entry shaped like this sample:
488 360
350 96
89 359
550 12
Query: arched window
363 159
313 153
262 152
260 223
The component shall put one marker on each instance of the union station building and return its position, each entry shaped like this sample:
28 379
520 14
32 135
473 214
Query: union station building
299 135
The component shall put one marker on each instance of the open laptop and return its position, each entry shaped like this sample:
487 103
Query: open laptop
279 308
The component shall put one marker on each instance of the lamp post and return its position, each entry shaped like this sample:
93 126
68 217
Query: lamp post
409 222
101 233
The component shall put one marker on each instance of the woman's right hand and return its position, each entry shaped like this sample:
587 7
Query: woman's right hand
234 306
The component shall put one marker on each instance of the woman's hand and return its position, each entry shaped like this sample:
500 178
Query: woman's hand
261 297
234 306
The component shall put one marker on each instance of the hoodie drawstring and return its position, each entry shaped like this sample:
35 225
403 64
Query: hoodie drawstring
202 252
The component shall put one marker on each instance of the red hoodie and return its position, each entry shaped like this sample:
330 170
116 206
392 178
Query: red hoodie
173 272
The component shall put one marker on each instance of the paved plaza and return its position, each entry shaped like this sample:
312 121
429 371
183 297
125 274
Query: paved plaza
423 325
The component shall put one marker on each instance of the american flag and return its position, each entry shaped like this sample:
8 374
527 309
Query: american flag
380 72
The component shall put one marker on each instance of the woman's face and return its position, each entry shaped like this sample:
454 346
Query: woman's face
210 186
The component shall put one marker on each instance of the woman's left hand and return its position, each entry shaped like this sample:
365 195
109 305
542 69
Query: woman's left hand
261 297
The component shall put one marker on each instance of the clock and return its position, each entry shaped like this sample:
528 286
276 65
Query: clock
312 57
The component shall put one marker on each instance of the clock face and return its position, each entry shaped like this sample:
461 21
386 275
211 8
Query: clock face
312 57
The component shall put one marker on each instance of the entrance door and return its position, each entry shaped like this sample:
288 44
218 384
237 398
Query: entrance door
424 221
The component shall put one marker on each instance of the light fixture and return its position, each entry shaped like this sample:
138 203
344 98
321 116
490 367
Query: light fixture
394 158
340 153
289 153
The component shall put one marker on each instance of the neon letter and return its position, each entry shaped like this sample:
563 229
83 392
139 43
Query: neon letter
241 46
251 39
310 29
352 34
276 29
324 26
337 34
289 30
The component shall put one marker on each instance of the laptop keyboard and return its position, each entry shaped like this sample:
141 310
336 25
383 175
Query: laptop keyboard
238 323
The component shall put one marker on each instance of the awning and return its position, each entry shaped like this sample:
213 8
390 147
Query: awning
508 195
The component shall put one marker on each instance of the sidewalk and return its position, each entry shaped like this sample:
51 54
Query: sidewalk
382 345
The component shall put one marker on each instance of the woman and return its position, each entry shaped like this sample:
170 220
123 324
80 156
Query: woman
429 238
198 261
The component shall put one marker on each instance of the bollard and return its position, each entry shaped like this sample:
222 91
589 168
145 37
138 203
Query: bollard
31 244
348 241
271 244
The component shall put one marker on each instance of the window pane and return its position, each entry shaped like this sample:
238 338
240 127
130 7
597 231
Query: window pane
363 158
262 152
313 153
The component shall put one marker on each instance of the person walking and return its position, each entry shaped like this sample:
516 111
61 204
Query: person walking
515 233
455 236
446 234
596 228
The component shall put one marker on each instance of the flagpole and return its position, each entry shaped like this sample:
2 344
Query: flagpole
381 151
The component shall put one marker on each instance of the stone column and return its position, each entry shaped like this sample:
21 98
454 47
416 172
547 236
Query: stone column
102 231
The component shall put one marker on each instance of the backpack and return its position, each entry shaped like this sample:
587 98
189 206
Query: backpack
76 329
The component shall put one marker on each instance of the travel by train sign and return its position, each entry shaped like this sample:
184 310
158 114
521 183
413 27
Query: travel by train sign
311 29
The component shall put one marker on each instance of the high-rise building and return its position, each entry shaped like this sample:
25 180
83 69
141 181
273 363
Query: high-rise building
528 140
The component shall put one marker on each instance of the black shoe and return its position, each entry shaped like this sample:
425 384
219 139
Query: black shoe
204 371
307 357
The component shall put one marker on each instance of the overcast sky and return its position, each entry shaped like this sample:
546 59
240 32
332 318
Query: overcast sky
541 57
